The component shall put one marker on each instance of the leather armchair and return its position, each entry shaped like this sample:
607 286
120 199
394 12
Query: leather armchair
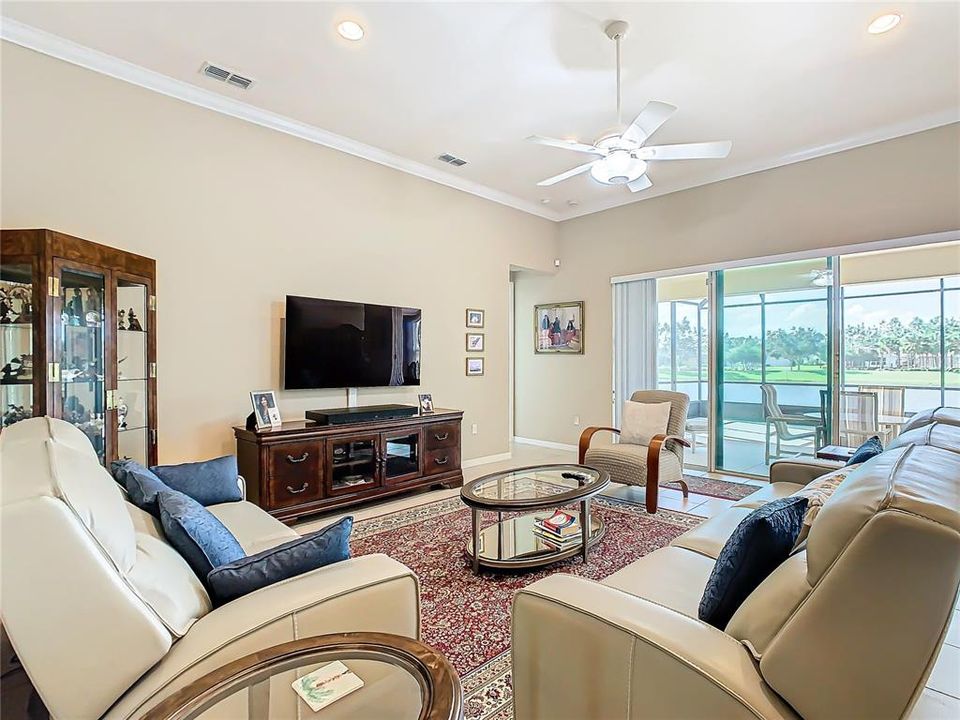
107 619
651 466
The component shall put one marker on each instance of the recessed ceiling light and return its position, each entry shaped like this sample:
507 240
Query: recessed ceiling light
573 203
350 30
884 23
545 201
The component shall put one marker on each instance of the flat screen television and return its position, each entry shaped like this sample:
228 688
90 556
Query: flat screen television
336 344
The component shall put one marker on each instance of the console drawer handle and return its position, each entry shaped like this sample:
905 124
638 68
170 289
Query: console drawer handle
445 460
297 492
441 438
302 458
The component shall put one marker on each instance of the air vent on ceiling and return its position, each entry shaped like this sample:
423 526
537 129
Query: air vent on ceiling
451 160
227 76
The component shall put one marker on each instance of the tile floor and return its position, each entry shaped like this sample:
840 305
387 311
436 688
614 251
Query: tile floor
940 699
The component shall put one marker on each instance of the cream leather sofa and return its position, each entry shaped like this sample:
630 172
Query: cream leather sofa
848 627
108 619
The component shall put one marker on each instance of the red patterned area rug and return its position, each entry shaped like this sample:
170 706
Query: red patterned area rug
467 616
717 488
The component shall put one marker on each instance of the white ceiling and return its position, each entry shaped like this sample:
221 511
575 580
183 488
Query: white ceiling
783 81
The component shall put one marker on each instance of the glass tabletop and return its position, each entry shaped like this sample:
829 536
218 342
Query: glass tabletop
369 674
536 486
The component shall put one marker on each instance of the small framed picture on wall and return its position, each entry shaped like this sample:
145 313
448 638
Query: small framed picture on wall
474 366
474 342
475 318
265 409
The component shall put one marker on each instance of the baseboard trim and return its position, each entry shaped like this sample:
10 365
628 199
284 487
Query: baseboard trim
486 459
544 443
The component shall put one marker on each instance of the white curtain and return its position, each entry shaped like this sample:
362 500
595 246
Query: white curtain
634 340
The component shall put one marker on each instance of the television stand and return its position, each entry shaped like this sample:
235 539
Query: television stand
302 467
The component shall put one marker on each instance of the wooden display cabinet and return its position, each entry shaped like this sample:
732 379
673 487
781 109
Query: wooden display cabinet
78 339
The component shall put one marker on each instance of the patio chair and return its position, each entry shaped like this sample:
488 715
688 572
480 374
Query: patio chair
859 418
891 399
781 422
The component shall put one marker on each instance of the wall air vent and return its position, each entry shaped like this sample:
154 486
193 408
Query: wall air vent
223 75
452 160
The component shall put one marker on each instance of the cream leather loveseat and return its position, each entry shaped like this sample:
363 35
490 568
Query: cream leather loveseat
108 619
847 628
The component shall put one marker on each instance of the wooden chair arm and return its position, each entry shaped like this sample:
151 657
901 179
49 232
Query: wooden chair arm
653 466
585 437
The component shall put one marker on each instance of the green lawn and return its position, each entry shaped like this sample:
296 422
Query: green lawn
922 378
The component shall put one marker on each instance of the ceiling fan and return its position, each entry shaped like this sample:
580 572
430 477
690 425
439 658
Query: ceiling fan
623 156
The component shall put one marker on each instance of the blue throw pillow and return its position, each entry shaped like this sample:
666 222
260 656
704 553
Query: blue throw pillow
194 532
142 486
871 448
209 482
330 545
756 548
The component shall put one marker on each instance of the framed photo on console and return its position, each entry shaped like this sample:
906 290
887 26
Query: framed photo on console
426 403
265 409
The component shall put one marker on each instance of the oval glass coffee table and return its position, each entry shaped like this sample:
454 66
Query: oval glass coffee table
512 543
403 679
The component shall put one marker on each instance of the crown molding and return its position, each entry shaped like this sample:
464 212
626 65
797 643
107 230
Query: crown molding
57 47
869 137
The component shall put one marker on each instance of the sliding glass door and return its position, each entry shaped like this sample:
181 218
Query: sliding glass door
683 354
773 345
780 359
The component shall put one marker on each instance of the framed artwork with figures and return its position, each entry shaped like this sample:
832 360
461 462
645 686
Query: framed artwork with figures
475 318
558 328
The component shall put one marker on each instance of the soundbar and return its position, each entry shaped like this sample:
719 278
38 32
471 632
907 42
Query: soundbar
350 415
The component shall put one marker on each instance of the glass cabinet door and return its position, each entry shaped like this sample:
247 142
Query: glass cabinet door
80 352
132 398
401 456
354 464
17 359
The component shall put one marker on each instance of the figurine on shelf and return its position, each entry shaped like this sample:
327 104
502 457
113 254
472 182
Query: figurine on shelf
133 323
15 413
76 305
5 307
26 367
122 415
122 320
10 373
74 411
21 294
93 300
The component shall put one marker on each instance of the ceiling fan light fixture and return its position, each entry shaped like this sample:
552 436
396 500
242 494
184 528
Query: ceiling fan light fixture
618 168
884 23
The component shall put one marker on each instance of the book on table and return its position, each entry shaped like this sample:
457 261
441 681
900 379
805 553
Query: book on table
555 542
561 524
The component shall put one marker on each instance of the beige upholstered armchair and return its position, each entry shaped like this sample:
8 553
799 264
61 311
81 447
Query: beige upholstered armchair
650 465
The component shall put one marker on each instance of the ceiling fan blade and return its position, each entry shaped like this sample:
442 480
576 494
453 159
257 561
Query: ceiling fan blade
653 115
641 183
567 175
688 151
565 144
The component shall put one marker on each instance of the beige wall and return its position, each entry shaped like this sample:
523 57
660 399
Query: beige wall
903 187
237 217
